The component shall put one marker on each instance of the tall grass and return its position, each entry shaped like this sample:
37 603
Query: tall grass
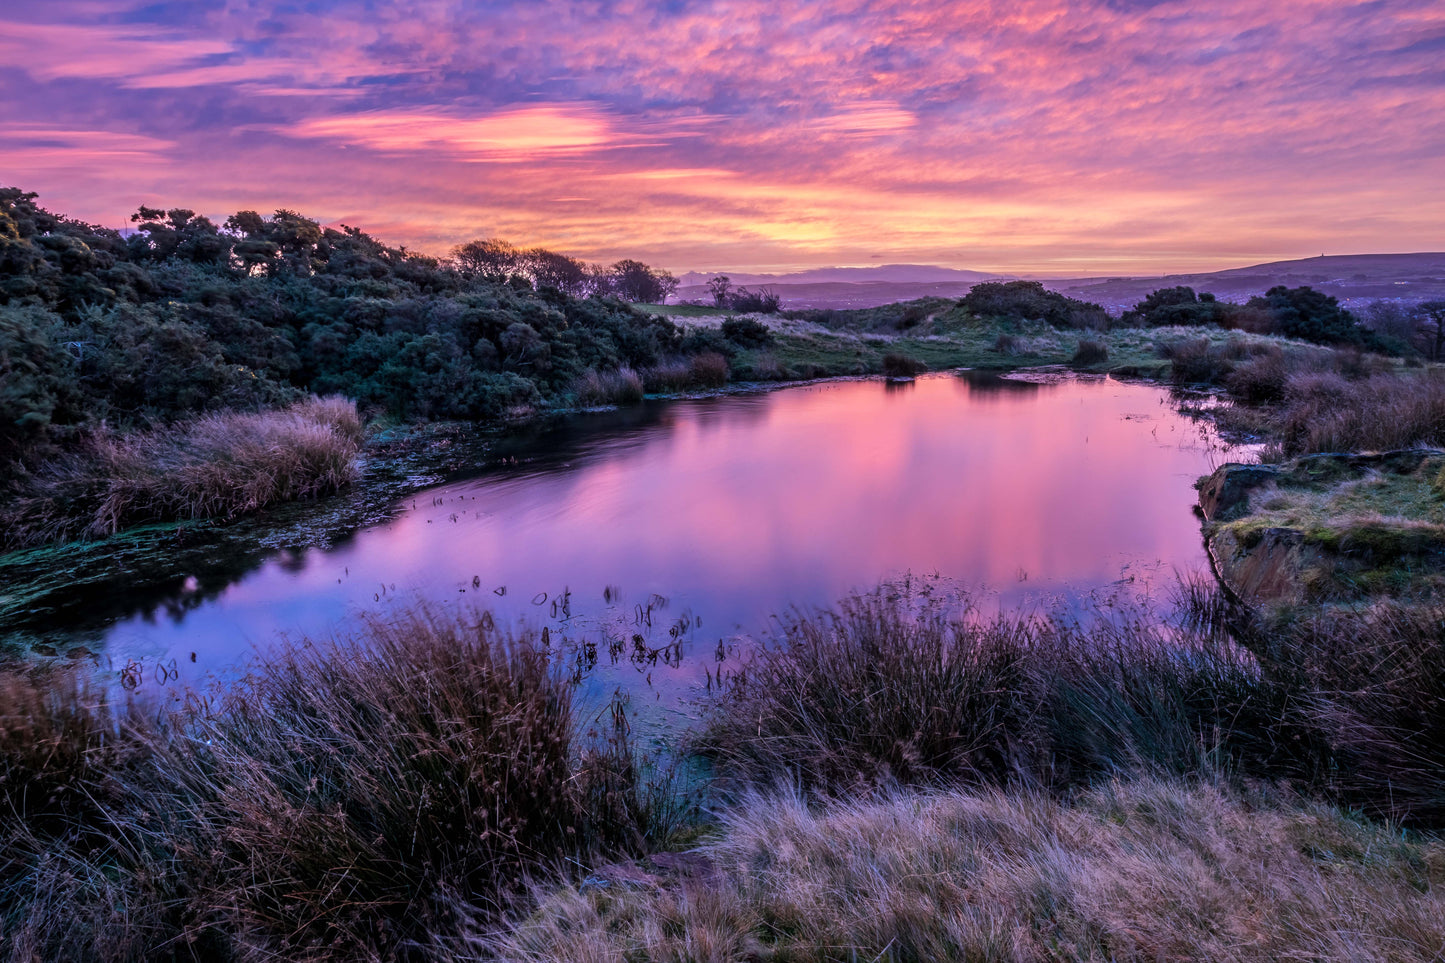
876 694
618 386
215 466
706 370
1326 412
371 799
1141 871
1349 705
1374 693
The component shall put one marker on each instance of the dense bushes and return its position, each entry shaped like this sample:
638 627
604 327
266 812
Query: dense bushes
1302 313
183 317
1030 300
747 332
1177 306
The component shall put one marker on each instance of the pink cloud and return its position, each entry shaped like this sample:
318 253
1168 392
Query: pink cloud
525 133
977 133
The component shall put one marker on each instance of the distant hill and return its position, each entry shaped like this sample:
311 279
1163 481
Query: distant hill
1353 278
877 274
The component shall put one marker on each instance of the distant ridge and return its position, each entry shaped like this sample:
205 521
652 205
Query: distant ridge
1353 278
882 273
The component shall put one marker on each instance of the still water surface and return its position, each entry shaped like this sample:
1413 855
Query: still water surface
718 513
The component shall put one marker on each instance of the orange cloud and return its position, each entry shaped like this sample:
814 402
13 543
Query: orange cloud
521 134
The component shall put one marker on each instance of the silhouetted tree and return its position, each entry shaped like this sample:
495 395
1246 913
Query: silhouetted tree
635 281
1431 318
719 287
551 270
489 257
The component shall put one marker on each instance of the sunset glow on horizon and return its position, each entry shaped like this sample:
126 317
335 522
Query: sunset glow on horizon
1043 136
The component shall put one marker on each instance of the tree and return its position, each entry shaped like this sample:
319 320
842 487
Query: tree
718 287
491 258
635 281
552 270
1309 315
1431 316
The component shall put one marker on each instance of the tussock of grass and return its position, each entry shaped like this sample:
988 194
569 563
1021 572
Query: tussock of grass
1090 352
619 386
215 466
1147 870
1325 412
372 799
902 366
706 370
877 694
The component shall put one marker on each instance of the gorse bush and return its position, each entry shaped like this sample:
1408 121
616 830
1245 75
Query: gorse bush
747 332
902 366
1030 300
217 465
376 798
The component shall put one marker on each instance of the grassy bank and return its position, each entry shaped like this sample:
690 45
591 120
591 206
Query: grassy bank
906 787
215 466
1142 870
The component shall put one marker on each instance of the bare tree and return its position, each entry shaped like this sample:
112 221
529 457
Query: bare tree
719 287
1431 319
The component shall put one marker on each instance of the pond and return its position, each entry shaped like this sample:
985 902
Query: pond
697 520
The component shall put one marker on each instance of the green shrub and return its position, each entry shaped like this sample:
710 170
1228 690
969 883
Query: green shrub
1030 300
902 366
747 332
1090 352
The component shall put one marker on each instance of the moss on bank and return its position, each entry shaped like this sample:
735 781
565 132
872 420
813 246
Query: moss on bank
1331 528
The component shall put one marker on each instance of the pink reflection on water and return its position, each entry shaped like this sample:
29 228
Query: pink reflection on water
733 509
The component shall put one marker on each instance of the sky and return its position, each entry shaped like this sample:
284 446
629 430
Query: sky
1058 137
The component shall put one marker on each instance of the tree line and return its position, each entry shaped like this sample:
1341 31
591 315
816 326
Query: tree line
628 280
103 330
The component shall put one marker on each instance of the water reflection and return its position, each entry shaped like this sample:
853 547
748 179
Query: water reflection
690 522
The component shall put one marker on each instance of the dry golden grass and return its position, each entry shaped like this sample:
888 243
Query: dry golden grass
215 466
619 386
1142 870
